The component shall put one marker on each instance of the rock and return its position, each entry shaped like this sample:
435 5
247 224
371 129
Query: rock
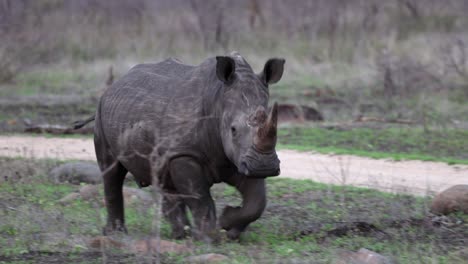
207 258
150 245
363 256
76 173
133 195
143 246
88 192
69 198
451 200
311 114
298 113
100 242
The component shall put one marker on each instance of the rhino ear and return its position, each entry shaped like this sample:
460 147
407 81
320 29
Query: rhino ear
225 69
273 70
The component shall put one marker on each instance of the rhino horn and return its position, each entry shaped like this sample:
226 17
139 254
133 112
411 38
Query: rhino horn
265 138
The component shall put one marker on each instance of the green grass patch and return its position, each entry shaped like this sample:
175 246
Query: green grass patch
50 81
299 223
449 146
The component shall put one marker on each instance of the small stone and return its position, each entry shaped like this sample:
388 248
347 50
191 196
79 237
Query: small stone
451 200
69 198
151 245
88 192
207 258
363 256
100 242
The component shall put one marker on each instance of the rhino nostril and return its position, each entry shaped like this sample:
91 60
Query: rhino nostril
233 130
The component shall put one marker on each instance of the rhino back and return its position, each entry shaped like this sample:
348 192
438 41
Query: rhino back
168 68
158 105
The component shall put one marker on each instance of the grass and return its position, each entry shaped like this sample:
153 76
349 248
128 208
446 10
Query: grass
47 135
298 223
449 145
51 80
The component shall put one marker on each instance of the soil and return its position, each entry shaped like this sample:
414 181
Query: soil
412 177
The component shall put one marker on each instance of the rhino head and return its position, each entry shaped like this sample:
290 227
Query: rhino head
248 132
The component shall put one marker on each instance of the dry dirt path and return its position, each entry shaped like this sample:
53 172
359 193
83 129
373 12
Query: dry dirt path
415 177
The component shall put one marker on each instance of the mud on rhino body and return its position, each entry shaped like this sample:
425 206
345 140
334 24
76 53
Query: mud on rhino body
192 126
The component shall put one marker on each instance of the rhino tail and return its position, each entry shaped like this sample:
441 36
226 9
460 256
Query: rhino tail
81 123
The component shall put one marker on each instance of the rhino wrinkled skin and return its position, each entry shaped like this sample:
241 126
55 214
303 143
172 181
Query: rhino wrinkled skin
189 127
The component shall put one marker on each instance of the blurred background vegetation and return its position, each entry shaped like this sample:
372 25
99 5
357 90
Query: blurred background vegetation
388 78
366 61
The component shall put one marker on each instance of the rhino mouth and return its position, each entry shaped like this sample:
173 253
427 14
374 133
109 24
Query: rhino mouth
260 165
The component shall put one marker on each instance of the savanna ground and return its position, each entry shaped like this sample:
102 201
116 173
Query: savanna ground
304 222
401 64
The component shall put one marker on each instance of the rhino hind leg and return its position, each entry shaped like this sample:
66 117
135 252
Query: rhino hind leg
114 177
194 190
174 210
113 173
236 219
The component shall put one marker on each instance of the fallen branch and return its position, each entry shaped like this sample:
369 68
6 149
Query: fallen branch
57 129
344 229
363 119
362 227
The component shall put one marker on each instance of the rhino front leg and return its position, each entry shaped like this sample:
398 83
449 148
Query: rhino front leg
236 219
174 211
194 189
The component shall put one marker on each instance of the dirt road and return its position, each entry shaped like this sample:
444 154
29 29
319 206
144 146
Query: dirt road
415 177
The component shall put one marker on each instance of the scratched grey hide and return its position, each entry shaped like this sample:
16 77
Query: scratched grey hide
188 127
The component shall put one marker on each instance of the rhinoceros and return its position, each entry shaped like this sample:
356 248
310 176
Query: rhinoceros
188 127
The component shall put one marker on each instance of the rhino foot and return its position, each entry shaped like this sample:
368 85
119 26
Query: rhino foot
112 229
180 233
233 234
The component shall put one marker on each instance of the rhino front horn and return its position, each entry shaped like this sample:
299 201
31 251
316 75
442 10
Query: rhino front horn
265 139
